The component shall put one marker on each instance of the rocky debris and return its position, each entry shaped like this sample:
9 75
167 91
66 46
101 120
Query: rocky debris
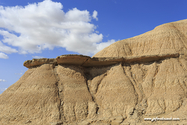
28 121
57 123
133 79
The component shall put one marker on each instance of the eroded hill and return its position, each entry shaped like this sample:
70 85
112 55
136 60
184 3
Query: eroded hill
141 77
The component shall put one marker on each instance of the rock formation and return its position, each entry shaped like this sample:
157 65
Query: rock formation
136 78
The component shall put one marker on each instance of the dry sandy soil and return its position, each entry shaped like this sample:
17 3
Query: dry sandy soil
128 81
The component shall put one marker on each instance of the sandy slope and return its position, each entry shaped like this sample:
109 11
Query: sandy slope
136 78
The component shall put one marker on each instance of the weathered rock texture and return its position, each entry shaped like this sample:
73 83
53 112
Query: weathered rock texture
164 39
141 77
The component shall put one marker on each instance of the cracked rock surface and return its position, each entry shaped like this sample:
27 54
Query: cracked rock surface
136 78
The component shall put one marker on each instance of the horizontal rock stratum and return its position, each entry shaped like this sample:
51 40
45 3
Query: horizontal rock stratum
136 78
86 61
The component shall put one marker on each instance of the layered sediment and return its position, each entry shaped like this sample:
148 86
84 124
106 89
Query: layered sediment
136 78
86 61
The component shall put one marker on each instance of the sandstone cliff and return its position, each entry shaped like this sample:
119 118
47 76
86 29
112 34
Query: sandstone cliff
136 78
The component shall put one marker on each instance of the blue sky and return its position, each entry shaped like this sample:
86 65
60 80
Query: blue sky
45 28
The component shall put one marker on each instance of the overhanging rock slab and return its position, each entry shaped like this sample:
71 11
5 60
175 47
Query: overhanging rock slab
72 59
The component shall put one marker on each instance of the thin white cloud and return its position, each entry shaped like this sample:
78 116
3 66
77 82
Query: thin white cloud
44 25
2 89
97 31
102 45
37 57
2 80
19 73
6 49
94 15
3 56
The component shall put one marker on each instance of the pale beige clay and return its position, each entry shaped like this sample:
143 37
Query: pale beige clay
132 79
